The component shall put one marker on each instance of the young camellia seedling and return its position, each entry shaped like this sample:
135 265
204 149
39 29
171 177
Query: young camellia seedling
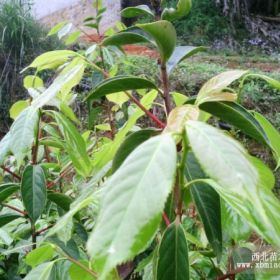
114 202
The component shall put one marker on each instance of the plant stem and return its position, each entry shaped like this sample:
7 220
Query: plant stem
151 115
34 235
166 219
132 98
89 271
43 230
36 144
14 208
10 172
180 180
165 83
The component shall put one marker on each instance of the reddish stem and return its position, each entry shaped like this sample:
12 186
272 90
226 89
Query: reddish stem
147 112
11 172
14 208
166 219
43 230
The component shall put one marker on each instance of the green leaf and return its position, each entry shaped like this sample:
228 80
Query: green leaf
41 272
56 28
237 116
178 117
274 83
77 273
40 255
33 82
5 146
213 90
74 144
173 260
22 132
183 8
136 11
164 34
7 190
272 134
106 153
61 200
132 203
72 38
7 218
63 83
234 225
129 144
64 30
33 191
118 98
179 98
17 108
208 205
236 179
51 60
180 53
125 38
118 84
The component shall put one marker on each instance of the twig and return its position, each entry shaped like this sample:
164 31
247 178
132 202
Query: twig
132 98
166 219
10 172
165 83
43 230
89 271
14 208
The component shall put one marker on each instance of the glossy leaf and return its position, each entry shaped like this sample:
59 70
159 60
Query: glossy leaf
72 38
74 144
17 108
178 117
173 261
274 83
7 190
234 226
41 272
64 82
118 84
56 28
33 191
183 8
213 90
238 116
5 146
77 273
180 53
22 132
40 255
7 218
125 38
32 82
208 205
61 200
140 198
272 134
51 60
129 144
118 98
135 11
242 187
164 34
65 224
179 98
